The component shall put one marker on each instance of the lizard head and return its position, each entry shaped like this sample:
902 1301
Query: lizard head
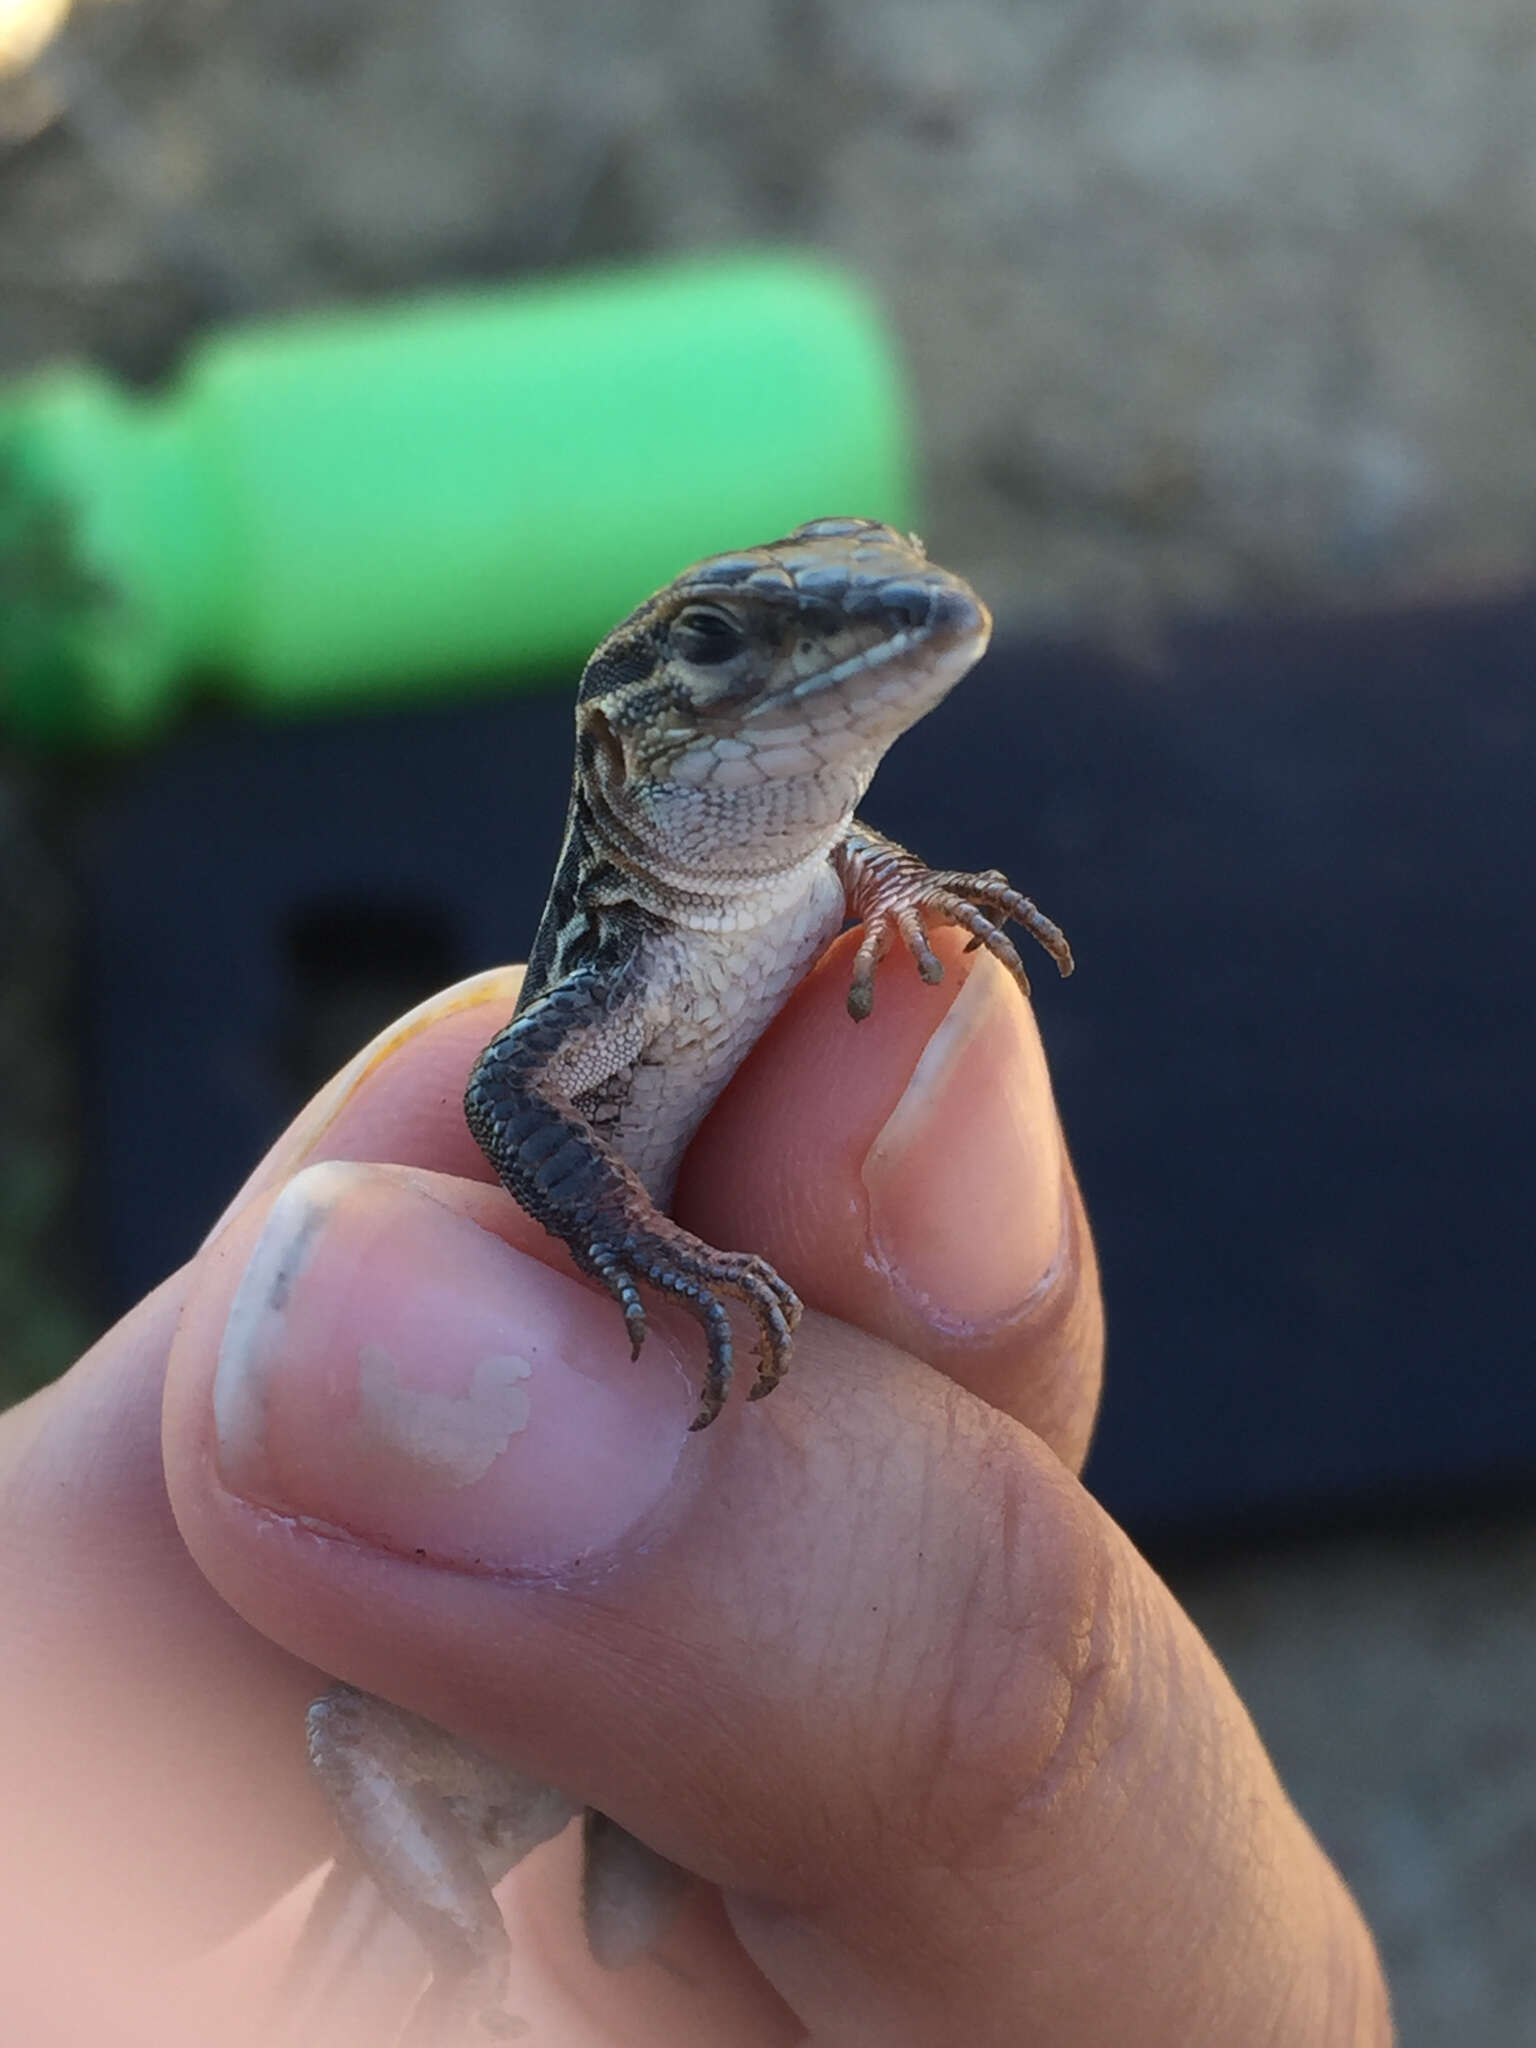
773 678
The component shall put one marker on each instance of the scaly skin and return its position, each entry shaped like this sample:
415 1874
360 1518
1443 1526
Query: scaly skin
725 734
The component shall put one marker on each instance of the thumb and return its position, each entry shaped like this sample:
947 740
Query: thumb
865 1656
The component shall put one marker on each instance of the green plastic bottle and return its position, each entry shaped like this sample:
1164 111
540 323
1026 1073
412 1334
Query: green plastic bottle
366 506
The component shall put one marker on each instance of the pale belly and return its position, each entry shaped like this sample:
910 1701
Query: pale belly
722 991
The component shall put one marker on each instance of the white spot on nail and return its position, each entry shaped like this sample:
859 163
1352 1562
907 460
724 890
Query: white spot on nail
454 1438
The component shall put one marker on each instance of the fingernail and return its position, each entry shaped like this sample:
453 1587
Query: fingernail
965 1179
390 1369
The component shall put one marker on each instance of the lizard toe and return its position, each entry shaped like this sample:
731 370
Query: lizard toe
609 1267
717 1375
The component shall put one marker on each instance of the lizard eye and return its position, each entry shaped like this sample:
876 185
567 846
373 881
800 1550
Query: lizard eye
704 636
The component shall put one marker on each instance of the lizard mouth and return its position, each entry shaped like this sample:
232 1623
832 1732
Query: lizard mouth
906 642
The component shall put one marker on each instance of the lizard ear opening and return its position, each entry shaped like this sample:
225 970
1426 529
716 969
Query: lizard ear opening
599 750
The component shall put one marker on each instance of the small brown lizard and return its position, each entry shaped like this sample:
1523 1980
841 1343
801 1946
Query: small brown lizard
725 733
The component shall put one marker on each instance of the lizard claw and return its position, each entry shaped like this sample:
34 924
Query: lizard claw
717 1374
675 1262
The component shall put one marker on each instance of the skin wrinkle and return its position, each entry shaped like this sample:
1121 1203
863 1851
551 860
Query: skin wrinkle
902 1739
1030 1677
842 1713
649 1636
1182 1919
634 1650
1098 1699
946 1730
616 1656
842 1700
901 1821
827 1706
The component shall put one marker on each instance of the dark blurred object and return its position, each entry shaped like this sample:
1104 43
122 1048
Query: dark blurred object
43 1322
1295 863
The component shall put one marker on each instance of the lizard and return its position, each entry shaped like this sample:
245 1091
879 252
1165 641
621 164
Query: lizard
726 732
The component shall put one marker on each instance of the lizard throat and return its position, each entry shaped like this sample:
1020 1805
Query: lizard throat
679 877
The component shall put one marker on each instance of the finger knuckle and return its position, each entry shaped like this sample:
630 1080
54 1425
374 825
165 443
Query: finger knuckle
1036 1693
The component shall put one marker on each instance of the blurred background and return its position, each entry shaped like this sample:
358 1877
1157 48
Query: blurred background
1215 320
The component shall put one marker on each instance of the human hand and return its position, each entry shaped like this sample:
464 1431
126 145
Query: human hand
949 1760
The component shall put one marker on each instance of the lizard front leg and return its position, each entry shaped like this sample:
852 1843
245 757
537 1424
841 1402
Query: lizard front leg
896 895
524 1105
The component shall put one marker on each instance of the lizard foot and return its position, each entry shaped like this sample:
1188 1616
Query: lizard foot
675 1262
898 897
